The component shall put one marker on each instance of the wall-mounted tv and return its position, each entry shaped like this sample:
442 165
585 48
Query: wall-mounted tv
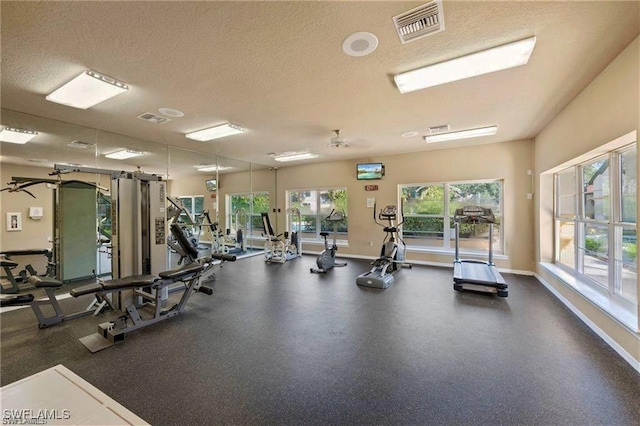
368 171
212 185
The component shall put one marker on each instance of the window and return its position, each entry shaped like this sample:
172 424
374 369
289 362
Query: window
244 212
595 226
315 205
194 205
429 210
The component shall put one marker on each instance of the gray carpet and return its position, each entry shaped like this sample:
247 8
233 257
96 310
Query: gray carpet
276 344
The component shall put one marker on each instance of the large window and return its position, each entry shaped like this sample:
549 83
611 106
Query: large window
315 205
595 222
429 210
244 212
194 206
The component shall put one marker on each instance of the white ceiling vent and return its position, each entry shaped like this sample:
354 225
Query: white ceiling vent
152 118
420 22
80 144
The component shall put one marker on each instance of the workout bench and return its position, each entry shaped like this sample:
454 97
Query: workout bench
7 264
50 285
146 291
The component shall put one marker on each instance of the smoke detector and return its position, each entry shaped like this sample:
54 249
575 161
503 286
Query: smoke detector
337 141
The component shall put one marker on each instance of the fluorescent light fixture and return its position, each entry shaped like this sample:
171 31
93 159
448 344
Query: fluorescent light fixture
484 62
462 134
124 154
295 156
15 135
88 89
216 132
210 167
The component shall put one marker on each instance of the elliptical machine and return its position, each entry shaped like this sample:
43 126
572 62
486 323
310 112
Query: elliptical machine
327 258
391 259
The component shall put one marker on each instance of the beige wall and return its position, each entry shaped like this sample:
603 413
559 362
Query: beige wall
35 233
509 161
605 110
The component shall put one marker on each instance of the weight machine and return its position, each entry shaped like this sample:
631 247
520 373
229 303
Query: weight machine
286 246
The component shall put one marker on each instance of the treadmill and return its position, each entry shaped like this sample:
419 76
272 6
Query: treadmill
476 275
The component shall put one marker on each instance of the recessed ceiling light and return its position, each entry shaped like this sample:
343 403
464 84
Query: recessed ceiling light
88 89
360 44
15 135
216 132
170 112
462 134
484 62
124 154
409 134
294 156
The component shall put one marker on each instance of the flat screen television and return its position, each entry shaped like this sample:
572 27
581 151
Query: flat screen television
369 171
212 185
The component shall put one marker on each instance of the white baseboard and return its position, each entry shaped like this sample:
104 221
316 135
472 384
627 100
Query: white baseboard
616 347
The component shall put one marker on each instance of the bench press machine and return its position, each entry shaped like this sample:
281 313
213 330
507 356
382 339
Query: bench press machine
8 265
144 291
50 285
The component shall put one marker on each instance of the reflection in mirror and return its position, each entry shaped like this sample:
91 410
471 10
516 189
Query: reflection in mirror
83 184
192 208
29 187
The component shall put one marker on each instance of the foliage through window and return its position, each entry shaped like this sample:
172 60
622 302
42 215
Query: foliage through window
244 212
315 205
194 205
595 222
429 210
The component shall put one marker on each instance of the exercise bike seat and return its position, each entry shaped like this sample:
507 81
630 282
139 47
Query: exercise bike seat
16 300
176 274
324 234
41 282
134 281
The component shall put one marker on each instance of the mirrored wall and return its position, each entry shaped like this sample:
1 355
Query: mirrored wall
216 202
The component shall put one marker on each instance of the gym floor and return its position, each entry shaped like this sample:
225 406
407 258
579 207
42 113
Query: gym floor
276 344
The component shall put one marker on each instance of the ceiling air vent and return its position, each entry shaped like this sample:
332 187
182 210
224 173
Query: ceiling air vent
420 22
80 144
152 118
438 129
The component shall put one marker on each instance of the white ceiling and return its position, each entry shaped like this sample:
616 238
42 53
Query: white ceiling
278 69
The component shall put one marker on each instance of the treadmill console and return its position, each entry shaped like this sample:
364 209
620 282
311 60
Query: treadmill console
474 214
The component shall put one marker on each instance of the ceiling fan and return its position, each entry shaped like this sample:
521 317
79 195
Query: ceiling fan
337 141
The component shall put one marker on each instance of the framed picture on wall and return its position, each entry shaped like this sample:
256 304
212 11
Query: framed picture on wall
14 221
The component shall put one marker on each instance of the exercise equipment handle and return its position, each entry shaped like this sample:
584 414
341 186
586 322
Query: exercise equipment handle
225 257
205 290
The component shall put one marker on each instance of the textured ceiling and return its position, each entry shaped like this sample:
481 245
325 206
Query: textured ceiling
278 69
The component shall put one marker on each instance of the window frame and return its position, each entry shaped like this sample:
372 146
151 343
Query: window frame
319 216
230 215
614 226
447 245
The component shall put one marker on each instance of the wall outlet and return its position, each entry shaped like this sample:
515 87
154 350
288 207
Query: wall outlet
530 196
370 243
